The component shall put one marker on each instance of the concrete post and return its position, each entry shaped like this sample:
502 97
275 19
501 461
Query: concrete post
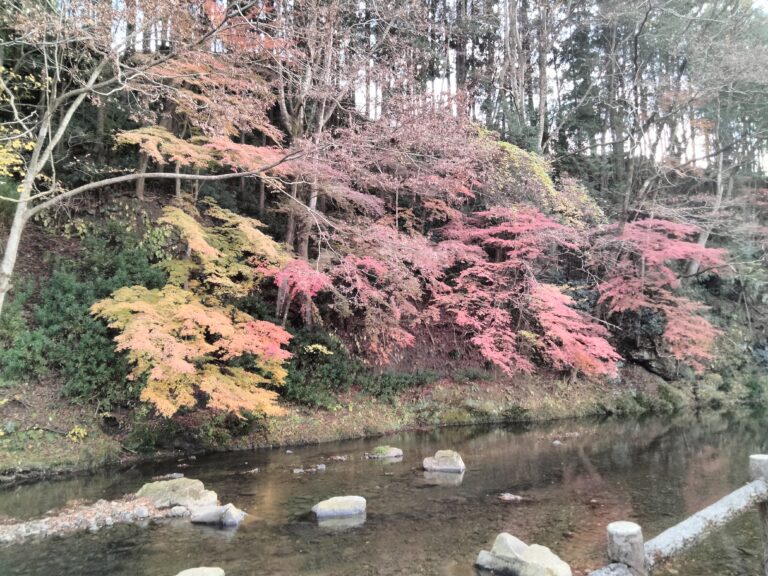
758 470
625 546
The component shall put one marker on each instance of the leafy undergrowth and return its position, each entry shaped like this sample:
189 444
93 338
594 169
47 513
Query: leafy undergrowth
41 435
463 401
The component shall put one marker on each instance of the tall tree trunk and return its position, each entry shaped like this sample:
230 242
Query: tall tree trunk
461 45
262 198
196 187
304 247
177 169
615 118
693 265
543 52
290 229
13 242
44 148
242 180
527 84
143 162
146 33
130 27
101 129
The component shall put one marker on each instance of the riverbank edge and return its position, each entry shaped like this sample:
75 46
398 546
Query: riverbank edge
446 403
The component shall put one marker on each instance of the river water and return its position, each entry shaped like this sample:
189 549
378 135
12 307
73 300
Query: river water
654 471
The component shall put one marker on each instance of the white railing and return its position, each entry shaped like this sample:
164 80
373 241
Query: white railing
631 556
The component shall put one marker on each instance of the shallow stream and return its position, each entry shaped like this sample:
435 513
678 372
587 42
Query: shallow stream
655 471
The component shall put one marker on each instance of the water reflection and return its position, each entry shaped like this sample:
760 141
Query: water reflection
654 471
342 523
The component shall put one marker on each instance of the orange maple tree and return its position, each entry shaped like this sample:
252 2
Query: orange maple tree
187 338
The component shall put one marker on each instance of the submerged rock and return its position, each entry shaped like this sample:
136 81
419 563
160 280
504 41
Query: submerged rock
444 461
229 516
89 517
166 499
384 453
171 476
202 571
179 492
508 497
511 555
341 522
340 506
443 478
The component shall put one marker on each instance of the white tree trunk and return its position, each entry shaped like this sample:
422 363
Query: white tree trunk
13 242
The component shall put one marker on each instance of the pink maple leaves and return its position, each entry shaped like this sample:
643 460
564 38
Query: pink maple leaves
638 267
512 316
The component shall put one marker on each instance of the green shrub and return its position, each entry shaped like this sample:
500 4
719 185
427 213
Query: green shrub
319 369
756 385
220 428
474 374
389 384
148 434
516 413
64 337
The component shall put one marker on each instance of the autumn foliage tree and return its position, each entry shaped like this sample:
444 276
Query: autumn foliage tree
185 67
639 264
188 338
511 316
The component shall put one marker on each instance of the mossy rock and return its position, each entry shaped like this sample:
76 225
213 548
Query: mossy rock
180 492
385 453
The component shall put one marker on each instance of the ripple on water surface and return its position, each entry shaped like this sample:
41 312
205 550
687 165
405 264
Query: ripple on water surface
655 472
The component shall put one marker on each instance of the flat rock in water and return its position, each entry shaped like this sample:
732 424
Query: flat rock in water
202 571
180 492
340 506
384 453
444 461
513 556
228 516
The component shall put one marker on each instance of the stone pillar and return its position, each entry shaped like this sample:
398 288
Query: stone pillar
758 470
626 546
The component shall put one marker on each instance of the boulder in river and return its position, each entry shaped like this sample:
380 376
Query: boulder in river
179 492
229 516
444 461
340 506
202 571
510 555
384 453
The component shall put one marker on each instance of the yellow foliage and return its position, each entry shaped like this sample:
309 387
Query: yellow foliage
525 177
191 230
77 434
317 349
12 146
229 259
162 146
182 345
